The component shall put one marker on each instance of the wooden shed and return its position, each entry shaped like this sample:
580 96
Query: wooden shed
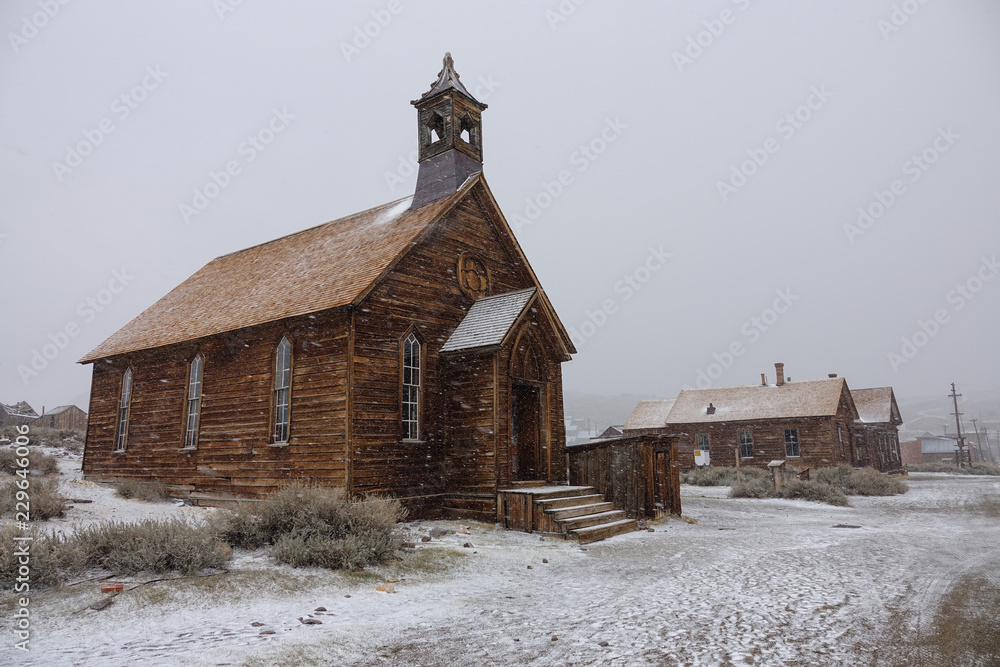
63 417
407 350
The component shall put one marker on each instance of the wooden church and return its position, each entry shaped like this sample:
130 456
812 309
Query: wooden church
406 350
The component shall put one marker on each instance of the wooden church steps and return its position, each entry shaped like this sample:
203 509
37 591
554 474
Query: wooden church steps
604 531
570 512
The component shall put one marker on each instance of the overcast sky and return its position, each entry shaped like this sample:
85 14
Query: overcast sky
743 139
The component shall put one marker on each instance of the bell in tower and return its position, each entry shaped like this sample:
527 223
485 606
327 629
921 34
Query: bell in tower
449 135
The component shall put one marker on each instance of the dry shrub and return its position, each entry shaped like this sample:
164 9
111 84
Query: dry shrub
150 546
118 547
792 489
861 481
39 463
816 491
974 469
311 525
753 488
44 499
52 559
152 490
721 476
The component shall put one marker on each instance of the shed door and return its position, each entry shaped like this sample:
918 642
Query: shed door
525 409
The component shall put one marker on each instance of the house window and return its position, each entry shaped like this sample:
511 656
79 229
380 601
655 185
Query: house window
121 435
792 442
282 390
703 442
411 388
840 436
193 406
746 445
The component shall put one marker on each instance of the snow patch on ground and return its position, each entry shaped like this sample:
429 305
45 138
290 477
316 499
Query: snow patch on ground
755 582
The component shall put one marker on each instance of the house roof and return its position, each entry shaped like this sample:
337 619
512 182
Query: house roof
650 414
818 398
61 409
877 405
489 320
328 266
20 409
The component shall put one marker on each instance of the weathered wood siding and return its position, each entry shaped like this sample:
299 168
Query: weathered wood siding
234 454
638 475
422 294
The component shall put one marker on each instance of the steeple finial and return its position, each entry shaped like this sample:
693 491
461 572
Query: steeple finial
448 79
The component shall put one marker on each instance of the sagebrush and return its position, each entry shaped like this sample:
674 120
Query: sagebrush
41 496
39 463
316 526
115 546
861 481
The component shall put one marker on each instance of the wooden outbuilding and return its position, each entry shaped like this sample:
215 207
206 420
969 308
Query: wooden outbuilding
63 417
17 414
407 350
876 433
808 424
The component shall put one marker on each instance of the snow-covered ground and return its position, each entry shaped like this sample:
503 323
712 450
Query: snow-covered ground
762 582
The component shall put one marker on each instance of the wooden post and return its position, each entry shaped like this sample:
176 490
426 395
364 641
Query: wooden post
739 478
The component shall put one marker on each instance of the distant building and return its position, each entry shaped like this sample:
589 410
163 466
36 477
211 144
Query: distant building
64 417
610 433
579 431
17 414
877 429
810 424
929 448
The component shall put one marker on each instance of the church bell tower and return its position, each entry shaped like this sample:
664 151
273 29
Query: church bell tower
449 136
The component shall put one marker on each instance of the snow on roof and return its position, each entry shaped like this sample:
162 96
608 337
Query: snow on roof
874 405
489 320
650 414
818 398
326 266
20 409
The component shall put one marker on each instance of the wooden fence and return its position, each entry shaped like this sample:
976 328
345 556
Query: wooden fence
638 475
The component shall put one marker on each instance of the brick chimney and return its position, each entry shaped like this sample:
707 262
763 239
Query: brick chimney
831 375
779 369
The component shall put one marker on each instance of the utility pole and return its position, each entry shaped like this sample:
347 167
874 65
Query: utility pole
958 425
979 442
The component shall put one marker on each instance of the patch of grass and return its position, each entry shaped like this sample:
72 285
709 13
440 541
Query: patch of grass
987 506
43 497
860 481
316 526
39 463
974 469
150 490
429 561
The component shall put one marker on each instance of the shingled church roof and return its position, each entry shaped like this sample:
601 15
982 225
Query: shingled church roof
332 265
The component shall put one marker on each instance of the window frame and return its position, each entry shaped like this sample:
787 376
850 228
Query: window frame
411 337
197 363
744 443
123 414
794 432
279 401
708 443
